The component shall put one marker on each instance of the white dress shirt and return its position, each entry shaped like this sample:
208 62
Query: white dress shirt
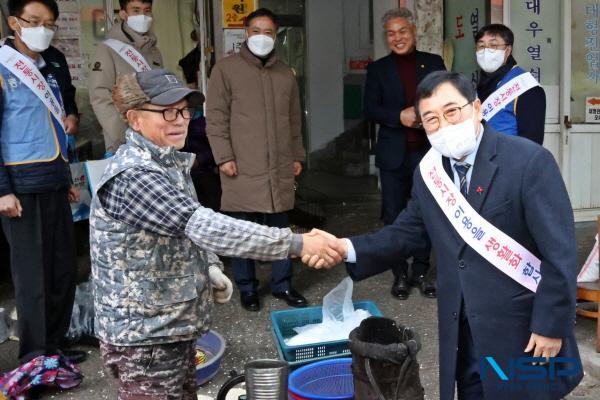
470 159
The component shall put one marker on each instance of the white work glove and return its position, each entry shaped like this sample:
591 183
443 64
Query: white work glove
221 285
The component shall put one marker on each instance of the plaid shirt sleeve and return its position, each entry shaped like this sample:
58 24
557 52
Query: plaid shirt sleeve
147 200
233 237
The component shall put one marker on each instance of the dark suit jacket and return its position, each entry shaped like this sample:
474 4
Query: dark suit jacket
384 99
524 196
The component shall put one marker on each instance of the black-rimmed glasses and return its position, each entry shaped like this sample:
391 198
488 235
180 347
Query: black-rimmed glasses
36 24
170 114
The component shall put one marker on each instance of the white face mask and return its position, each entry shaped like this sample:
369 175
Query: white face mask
455 141
261 45
489 59
37 39
139 23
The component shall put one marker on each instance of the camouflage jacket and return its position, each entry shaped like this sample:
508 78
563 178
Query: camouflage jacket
148 288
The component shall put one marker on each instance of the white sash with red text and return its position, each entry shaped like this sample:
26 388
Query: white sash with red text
507 93
495 246
21 66
129 54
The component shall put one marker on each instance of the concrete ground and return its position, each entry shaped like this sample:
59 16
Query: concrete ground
352 206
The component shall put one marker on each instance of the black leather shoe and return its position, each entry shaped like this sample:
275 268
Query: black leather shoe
401 288
425 286
75 356
292 297
249 300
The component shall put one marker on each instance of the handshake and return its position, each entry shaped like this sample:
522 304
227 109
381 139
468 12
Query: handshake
322 250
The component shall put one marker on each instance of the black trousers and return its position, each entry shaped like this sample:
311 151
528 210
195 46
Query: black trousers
395 191
44 266
208 189
243 269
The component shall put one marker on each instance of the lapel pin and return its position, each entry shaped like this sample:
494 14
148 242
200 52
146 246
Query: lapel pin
479 190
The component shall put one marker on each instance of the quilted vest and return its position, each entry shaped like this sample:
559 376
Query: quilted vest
148 288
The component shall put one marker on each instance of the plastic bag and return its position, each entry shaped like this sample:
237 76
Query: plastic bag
339 318
589 271
82 319
81 209
94 169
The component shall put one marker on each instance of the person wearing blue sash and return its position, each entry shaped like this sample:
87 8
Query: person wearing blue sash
525 115
493 324
35 179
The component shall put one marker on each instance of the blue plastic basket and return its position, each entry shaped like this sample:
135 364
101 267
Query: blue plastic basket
285 321
329 379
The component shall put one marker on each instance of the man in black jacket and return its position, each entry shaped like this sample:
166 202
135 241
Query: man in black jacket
35 180
401 143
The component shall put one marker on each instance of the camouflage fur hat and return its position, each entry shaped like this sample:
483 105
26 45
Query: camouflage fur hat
157 86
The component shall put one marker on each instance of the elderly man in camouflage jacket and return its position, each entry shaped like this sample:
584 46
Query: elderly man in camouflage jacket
153 245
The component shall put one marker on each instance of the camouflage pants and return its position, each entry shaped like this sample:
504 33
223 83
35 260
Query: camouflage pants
153 372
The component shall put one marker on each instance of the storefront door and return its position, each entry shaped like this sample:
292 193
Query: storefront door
580 105
291 43
558 42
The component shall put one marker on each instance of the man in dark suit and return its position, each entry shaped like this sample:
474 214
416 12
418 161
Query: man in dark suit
486 316
401 143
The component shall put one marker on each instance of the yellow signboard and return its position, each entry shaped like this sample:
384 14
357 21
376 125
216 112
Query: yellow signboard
236 11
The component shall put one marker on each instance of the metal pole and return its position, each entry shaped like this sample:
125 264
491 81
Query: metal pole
204 45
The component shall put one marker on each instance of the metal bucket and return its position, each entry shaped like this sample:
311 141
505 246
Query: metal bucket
265 380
